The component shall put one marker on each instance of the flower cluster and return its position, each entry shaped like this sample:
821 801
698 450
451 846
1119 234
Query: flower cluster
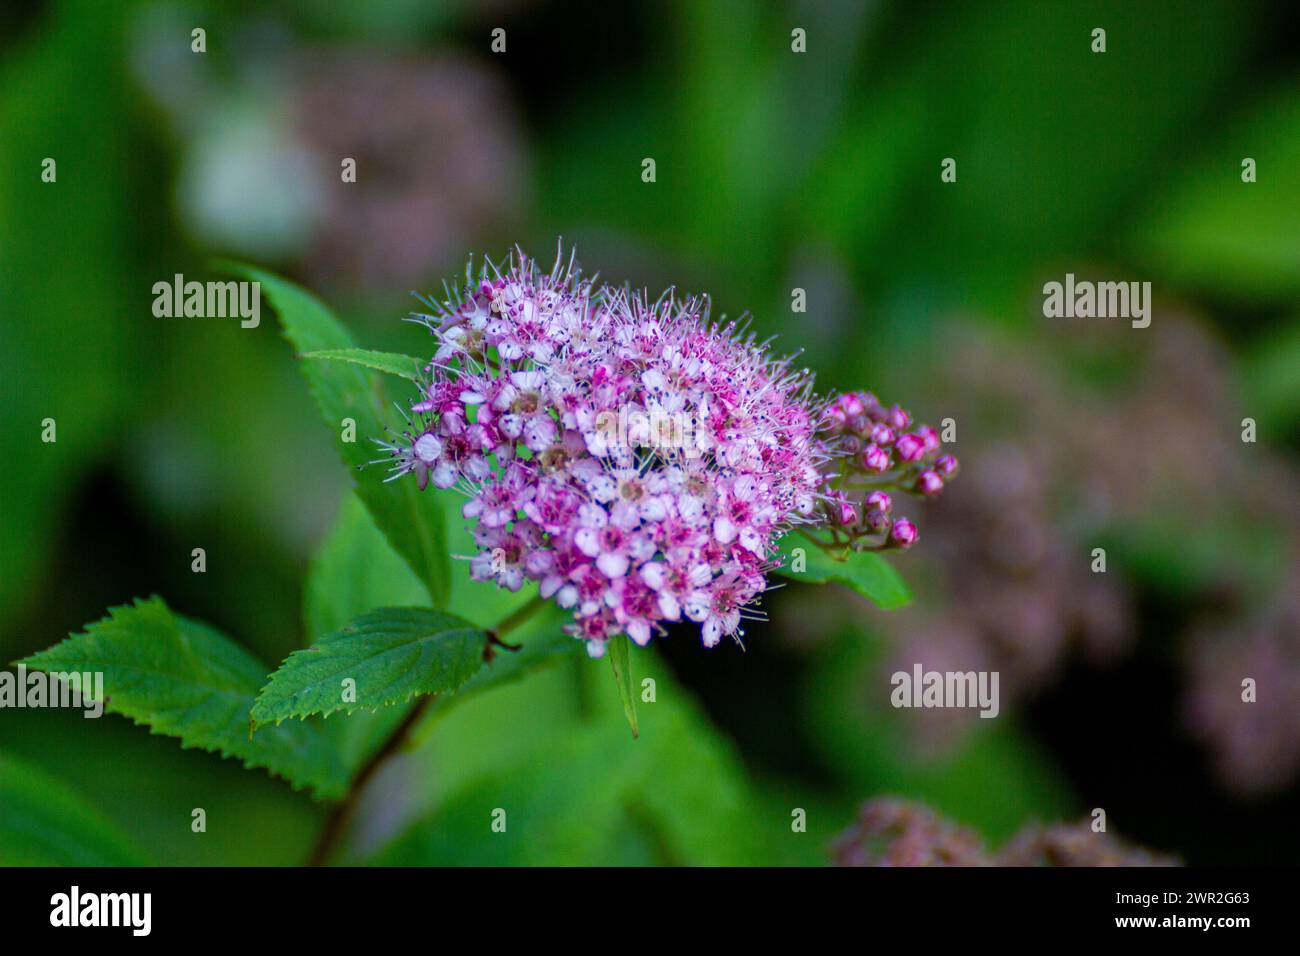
876 450
1253 729
898 833
890 832
629 526
1075 845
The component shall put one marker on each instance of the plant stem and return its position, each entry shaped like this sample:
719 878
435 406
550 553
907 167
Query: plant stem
342 812
834 548
515 618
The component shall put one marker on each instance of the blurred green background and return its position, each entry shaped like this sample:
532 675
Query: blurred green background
775 170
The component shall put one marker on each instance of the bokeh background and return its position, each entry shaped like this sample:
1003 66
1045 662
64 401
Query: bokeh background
775 171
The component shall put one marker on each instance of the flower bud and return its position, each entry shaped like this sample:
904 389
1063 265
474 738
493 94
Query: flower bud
897 419
881 501
910 447
852 444
848 514
876 521
929 484
903 534
946 466
875 458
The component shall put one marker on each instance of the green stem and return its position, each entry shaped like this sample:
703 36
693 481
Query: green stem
515 618
835 549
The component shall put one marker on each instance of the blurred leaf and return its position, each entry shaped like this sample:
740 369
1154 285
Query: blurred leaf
186 680
411 522
562 806
543 642
69 312
1025 194
1182 558
1270 373
404 366
392 653
619 648
43 822
1214 232
864 571
354 570
470 736
589 796
995 776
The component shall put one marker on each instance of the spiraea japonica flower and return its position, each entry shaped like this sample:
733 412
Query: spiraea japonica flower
638 460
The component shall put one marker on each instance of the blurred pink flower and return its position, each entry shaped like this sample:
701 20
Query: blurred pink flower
894 832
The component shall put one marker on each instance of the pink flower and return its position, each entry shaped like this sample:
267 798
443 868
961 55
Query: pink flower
542 405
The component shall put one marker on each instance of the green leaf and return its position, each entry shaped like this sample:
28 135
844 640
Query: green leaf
990 773
62 361
619 649
866 572
393 363
344 390
1211 231
581 794
184 679
392 654
355 570
44 822
1270 376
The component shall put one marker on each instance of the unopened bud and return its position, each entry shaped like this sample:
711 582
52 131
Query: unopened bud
881 501
903 534
848 514
910 447
929 484
876 521
875 458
